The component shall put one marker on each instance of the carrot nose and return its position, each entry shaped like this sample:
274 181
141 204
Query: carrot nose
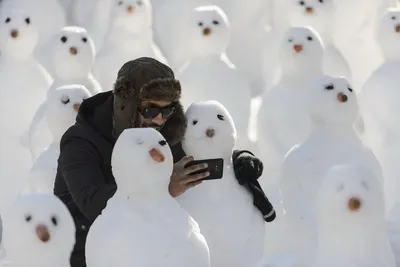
157 155
309 10
73 50
76 107
342 97
206 31
210 132
397 29
14 34
130 9
354 204
42 233
298 48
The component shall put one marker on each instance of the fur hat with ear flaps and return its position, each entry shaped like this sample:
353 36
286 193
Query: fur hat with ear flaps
147 78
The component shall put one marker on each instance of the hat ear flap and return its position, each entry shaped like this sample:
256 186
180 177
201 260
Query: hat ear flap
124 107
175 127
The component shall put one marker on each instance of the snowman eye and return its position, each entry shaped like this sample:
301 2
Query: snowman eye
351 90
65 100
321 1
301 3
162 142
64 39
84 39
120 3
221 117
194 122
28 218
200 23
139 141
309 38
54 220
329 87
393 17
215 22
28 21
139 3
7 20
290 40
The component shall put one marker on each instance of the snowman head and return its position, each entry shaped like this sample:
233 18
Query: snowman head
40 228
141 161
210 132
301 48
331 100
388 34
63 105
132 15
18 34
349 197
73 53
314 13
208 31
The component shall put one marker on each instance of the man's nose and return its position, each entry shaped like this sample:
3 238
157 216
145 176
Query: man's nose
158 119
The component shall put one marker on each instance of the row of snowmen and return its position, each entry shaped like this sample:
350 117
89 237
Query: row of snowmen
305 124
330 170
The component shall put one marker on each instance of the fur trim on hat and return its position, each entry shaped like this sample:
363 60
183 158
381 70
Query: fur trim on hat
123 88
167 89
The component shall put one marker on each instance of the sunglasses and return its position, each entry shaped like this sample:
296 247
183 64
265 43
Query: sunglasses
150 113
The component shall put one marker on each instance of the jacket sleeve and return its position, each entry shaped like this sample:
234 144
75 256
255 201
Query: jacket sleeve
81 168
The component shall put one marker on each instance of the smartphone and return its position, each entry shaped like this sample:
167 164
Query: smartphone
215 168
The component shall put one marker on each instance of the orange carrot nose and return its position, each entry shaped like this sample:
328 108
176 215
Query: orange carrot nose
130 9
206 31
73 50
210 133
14 34
42 233
157 155
309 10
397 28
342 98
298 48
76 107
354 204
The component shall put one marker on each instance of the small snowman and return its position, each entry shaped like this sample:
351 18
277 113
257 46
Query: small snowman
23 86
129 36
379 104
72 58
38 231
350 220
319 15
142 220
209 75
224 209
282 119
60 111
332 107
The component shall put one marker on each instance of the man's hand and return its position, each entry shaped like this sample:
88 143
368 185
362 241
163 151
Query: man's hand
181 178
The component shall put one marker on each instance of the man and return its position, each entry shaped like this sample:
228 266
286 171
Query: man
146 94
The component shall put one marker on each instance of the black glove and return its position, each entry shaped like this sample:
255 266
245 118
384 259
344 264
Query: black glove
246 166
248 169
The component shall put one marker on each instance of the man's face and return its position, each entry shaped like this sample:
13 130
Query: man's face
158 120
